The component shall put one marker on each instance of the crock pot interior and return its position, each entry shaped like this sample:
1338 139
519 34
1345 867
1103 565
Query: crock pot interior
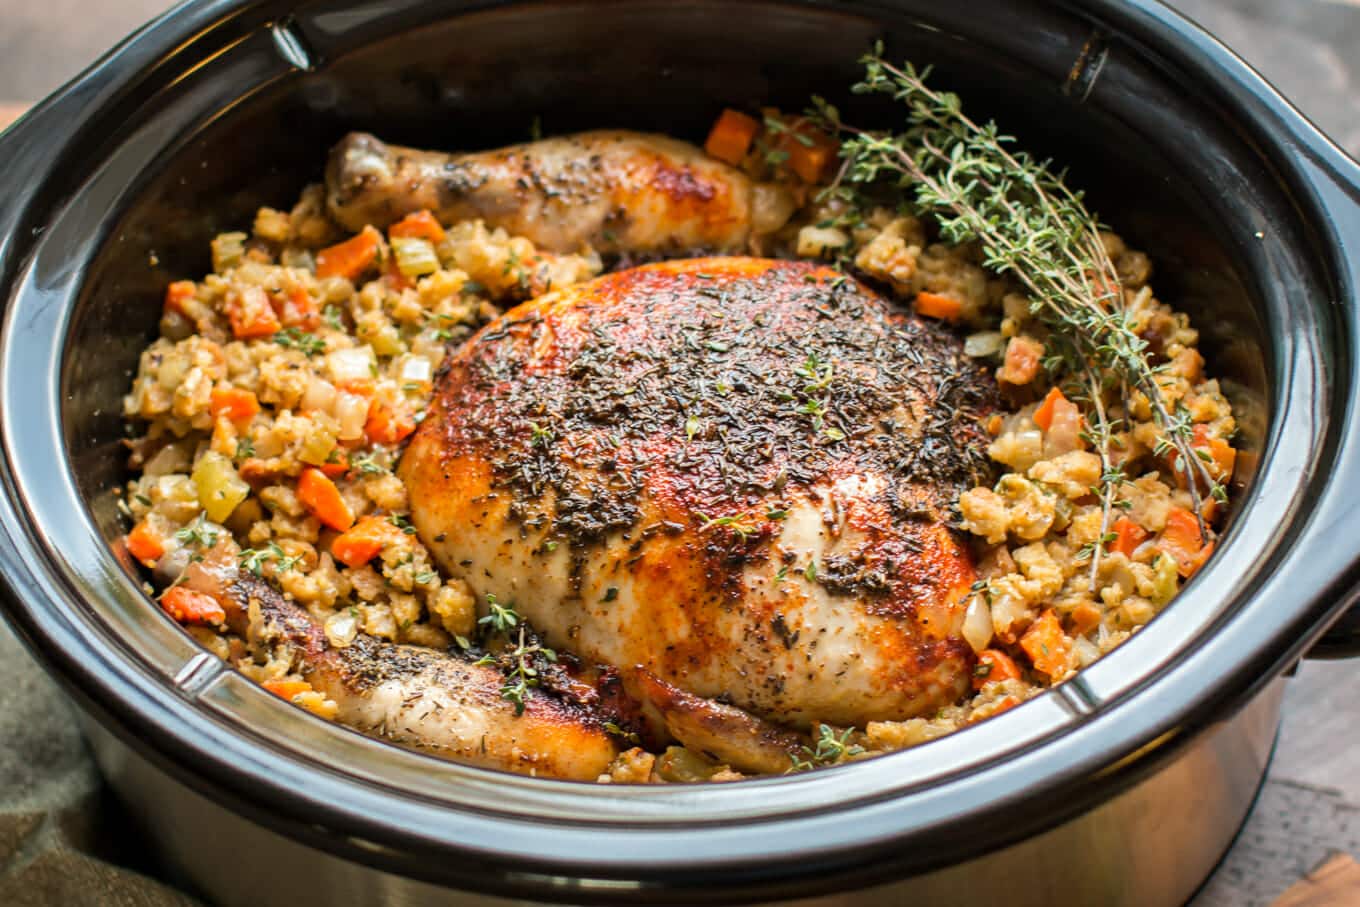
479 80
196 157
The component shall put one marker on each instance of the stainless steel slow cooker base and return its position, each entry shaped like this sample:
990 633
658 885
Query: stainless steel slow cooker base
1148 846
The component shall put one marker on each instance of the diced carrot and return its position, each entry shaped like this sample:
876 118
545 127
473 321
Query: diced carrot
994 665
1021 365
1128 535
190 607
810 151
731 136
1048 648
933 305
811 162
351 258
1043 416
237 404
1085 618
251 314
1183 540
392 274
387 423
338 468
287 689
297 310
1221 453
145 544
177 294
362 387
1005 705
420 224
322 498
364 541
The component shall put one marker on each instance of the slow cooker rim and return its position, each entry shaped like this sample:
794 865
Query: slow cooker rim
34 626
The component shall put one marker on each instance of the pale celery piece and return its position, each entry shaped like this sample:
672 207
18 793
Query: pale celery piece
415 257
220 488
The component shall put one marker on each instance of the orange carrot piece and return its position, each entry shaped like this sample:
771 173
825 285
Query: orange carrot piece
1183 540
237 404
189 607
731 136
1023 355
351 258
298 310
1047 647
1085 618
1128 536
810 151
419 224
1222 454
388 424
322 498
933 305
364 541
177 294
1043 416
251 314
392 274
338 468
287 689
144 544
994 665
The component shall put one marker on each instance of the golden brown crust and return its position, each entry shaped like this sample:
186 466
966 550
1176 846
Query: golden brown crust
614 190
734 472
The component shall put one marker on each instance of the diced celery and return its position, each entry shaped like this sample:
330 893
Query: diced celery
1166 580
415 257
220 488
387 341
317 446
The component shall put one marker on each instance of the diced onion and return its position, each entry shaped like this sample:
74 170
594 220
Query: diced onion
977 624
317 446
983 343
319 396
353 364
1086 651
415 257
228 249
351 411
430 344
341 628
771 207
415 368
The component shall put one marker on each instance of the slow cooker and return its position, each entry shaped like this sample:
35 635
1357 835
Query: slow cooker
1122 786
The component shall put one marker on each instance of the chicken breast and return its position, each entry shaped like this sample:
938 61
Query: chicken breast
615 191
439 702
734 474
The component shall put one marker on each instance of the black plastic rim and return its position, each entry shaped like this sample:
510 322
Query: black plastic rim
1288 581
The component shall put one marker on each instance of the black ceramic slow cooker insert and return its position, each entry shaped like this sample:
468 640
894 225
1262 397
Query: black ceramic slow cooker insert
1123 786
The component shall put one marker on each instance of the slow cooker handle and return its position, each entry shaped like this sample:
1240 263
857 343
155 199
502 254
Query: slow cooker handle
1336 182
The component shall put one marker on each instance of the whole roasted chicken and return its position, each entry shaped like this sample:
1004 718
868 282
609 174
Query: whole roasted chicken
722 484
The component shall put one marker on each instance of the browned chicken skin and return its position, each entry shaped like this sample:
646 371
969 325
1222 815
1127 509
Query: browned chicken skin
732 474
615 191
442 703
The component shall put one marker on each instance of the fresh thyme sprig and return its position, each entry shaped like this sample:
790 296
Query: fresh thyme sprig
1032 226
521 662
830 748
